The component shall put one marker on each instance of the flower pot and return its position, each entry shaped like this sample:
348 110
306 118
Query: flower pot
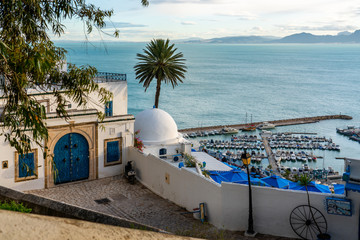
323 236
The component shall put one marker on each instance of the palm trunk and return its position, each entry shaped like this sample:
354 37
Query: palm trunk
157 94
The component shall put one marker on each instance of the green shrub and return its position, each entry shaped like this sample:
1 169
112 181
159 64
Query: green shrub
14 206
189 160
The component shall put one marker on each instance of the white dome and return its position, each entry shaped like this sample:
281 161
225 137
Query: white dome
156 127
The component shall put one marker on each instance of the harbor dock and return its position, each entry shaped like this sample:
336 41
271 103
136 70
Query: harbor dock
284 122
270 154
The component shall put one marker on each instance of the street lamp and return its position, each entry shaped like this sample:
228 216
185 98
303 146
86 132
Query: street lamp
246 158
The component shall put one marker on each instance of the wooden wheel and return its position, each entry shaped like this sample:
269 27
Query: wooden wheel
306 226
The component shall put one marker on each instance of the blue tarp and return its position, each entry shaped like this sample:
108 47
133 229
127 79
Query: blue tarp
216 176
339 188
235 176
312 187
276 181
352 187
254 181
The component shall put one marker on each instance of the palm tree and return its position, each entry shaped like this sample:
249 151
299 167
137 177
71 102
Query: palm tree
160 61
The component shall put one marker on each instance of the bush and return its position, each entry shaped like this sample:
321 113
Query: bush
14 206
189 160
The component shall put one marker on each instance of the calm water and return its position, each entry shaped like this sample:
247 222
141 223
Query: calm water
271 82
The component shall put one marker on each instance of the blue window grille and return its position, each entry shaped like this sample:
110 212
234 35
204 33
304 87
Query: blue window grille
113 151
109 109
26 166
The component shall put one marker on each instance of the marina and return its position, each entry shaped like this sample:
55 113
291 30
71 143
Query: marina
282 152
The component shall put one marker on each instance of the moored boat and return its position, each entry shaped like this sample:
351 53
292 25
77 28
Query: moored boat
266 125
229 130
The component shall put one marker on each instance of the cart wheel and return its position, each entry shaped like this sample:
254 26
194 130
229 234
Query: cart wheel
304 225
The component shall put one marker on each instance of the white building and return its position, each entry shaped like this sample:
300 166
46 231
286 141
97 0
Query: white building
159 133
81 148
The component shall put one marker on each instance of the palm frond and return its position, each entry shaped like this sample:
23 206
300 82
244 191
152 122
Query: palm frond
160 60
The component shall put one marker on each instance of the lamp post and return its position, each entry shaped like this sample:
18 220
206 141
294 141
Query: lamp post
245 157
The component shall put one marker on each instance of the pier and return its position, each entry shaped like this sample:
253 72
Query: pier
269 153
284 122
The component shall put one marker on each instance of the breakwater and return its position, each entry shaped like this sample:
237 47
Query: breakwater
283 122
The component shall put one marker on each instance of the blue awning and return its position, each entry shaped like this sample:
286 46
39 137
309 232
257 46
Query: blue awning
352 187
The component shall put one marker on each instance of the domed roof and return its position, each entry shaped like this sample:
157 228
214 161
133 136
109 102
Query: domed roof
156 127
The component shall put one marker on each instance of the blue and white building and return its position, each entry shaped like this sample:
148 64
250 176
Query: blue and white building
81 148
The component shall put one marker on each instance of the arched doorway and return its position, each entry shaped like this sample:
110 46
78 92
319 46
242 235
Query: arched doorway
71 158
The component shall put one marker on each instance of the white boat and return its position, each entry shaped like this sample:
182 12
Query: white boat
306 168
266 125
229 130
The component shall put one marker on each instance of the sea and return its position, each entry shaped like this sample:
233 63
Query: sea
227 82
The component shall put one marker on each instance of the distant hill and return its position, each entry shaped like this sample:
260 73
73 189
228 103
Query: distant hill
341 37
234 40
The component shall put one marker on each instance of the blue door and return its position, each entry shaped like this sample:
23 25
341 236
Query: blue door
71 158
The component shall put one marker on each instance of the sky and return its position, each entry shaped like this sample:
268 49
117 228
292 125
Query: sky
182 19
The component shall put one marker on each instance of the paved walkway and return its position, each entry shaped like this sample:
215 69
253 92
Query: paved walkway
136 202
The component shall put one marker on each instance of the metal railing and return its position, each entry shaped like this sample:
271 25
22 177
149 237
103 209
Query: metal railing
99 78
109 77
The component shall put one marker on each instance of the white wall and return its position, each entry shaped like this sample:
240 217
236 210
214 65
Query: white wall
170 149
120 101
123 129
227 204
185 188
7 176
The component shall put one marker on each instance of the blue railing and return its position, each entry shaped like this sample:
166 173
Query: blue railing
100 77
109 77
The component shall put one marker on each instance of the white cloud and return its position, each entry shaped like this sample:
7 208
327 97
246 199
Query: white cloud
257 29
188 23
186 1
239 15
220 18
122 25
